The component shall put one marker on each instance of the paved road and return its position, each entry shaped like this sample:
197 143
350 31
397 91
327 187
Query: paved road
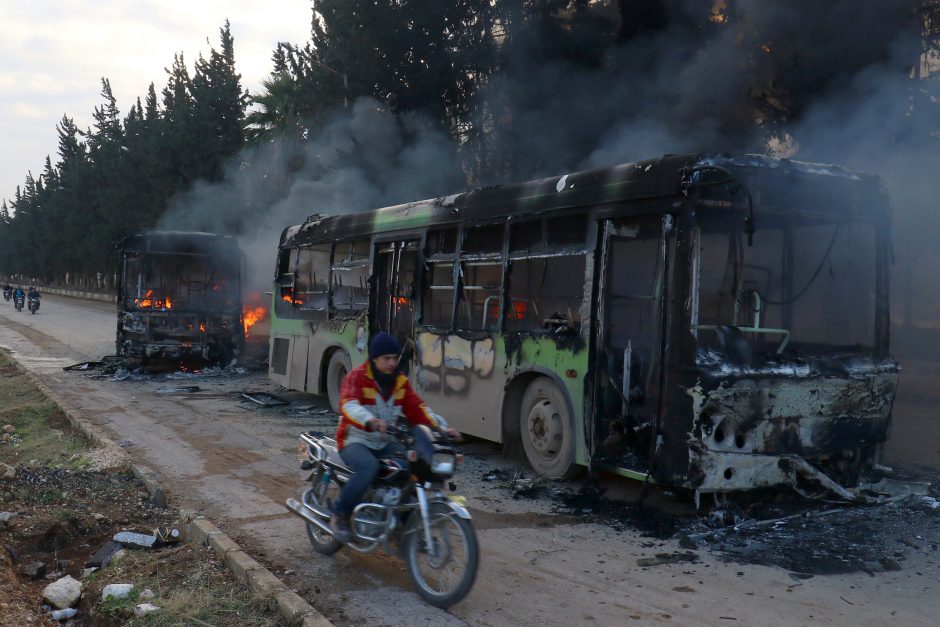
237 465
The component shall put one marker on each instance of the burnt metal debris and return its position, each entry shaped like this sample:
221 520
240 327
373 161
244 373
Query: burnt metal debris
179 297
265 399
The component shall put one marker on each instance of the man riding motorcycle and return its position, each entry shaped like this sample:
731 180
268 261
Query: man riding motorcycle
7 291
19 294
372 397
32 295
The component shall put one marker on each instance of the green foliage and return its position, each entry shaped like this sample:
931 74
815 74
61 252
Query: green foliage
123 607
117 177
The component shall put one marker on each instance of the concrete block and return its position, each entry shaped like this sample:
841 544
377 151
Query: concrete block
221 544
292 607
240 563
264 584
199 529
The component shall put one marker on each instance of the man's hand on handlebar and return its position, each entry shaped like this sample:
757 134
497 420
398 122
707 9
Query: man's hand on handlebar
377 424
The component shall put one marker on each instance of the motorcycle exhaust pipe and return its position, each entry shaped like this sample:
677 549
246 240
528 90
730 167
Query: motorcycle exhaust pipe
305 512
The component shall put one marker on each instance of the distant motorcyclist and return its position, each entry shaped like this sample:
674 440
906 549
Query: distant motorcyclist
19 297
7 291
32 299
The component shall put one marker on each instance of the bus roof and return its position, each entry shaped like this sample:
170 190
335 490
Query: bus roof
171 242
782 179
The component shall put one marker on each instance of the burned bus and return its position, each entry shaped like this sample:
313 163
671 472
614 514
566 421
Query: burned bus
713 322
179 297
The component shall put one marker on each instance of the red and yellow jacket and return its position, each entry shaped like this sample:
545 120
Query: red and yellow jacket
360 400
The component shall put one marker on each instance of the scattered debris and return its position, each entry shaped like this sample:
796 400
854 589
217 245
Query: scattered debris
133 540
5 517
167 535
495 475
7 471
667 558
104 555
9 428
265 399
180 389
65 614
85 365
116 591
127 443
143 609
524 487
866 538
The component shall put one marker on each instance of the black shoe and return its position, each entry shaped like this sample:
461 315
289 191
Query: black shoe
339 527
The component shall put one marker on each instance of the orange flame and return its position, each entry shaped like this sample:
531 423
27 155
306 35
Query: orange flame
252 315
148 301
202 327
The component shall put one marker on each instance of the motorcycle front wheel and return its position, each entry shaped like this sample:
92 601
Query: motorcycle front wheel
446 577
322 542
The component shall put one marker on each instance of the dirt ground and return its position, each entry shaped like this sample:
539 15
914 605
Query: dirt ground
67 501
551 554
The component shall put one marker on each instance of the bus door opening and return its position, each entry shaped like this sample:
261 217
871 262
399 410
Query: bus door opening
629 341
393 305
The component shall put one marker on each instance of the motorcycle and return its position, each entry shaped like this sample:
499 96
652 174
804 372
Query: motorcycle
7 293
18 303
406 505
33 305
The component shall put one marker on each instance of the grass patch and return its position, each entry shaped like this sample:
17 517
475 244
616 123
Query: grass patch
190 585
41 431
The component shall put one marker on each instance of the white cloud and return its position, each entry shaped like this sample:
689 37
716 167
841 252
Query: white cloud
53 55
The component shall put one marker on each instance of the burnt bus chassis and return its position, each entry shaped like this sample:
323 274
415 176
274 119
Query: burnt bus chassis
146 335
812 456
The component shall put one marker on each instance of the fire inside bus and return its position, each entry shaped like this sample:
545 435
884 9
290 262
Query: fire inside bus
179 297
713 322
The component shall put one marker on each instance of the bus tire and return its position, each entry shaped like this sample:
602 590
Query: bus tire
545 424
335 373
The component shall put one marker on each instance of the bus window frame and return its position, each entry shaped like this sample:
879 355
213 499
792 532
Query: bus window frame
423 282
367 263
543 250
302 306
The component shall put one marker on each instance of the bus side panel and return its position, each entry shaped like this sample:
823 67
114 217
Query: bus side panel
283 354
463 380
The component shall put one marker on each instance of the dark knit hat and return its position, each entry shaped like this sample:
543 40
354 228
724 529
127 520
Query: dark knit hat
383 344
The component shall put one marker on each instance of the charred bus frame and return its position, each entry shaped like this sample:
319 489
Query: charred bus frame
179 297
714 322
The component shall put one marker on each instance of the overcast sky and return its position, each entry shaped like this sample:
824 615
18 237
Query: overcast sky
53 54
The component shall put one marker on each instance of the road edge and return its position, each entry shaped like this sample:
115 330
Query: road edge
291 606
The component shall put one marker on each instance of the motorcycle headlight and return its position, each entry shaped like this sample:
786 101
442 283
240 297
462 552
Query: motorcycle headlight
443 463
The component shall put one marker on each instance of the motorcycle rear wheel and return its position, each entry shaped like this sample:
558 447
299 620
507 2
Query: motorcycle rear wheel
446 578
322 542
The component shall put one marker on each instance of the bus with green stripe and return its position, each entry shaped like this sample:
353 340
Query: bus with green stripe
713 322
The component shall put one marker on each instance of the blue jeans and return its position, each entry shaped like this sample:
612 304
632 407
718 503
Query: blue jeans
364 462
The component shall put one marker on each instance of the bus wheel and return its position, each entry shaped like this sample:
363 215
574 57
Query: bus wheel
335 373
546 429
